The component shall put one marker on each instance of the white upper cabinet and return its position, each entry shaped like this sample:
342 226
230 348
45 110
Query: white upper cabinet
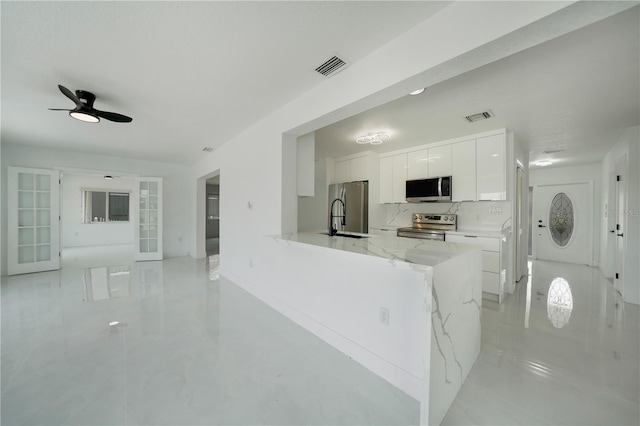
439 161
386 180
342 171
351 169
477 166
399 178
393 179
463 171
417 164
490 168
359 169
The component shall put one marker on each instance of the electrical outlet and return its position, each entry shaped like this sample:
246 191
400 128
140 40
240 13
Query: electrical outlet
384 316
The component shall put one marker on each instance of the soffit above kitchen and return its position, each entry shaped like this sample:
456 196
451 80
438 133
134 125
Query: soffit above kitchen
570 96
190 74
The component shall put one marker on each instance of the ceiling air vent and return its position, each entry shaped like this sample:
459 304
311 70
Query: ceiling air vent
553 151
479 116
207 149
331 66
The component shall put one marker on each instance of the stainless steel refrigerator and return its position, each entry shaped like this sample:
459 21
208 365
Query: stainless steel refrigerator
349 207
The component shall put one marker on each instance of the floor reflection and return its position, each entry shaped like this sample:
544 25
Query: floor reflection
106 282
559 302
213 267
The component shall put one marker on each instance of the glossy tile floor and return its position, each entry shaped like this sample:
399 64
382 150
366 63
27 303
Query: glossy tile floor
107 341
562 350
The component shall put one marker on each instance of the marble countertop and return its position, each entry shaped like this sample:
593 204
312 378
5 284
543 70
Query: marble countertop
492 233
409 250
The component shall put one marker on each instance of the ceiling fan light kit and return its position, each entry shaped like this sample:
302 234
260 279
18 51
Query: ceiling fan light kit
84 116
84 110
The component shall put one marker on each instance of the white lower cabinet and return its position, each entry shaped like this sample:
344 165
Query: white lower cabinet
493 267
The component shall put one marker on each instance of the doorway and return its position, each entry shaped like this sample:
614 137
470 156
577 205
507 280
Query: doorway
212 227
563 223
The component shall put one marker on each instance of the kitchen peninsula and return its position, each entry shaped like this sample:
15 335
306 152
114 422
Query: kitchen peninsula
406 309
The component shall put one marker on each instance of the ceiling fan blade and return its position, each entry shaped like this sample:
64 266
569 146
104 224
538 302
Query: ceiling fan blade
69 94
112 116
59 109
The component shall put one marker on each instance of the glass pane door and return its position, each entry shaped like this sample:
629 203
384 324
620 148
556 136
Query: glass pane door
33 220
149 219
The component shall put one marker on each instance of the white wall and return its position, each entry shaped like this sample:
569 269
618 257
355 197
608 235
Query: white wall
178 193
73 232
627 145
572 174
258 196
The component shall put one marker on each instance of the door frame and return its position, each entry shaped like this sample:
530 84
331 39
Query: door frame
590 220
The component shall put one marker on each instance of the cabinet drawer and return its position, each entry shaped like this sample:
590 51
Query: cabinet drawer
491 282
487 243
491 261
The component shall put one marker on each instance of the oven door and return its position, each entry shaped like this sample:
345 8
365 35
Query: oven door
423 235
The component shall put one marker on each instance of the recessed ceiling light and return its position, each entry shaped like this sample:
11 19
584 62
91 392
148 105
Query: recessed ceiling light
114 323
107 177
543 163
417 92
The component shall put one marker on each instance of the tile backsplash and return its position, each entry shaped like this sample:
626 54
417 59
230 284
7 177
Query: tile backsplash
485 215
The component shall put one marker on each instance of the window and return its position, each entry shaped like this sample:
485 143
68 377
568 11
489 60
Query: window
105 206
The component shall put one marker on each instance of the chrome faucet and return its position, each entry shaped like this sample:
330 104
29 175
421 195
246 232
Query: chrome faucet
333 230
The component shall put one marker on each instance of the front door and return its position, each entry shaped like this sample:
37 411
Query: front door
562 223
33 220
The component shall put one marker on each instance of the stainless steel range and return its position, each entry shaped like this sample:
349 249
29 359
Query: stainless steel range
429 226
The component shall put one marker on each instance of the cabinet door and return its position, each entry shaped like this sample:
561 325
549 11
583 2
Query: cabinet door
399 178
440 161
463 171
490 168
359 169
386 180
342 172
417 164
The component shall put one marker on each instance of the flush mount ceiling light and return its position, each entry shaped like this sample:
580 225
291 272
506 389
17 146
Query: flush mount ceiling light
417 92
543 163
373 138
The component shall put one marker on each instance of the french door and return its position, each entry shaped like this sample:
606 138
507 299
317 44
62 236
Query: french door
148 221
563 223
33 219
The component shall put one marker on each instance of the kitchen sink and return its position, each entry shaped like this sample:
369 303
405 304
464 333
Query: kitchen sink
344 234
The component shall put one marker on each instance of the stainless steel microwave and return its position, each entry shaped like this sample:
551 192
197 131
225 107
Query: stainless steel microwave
432 189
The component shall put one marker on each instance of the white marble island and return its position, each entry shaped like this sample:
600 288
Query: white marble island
406 309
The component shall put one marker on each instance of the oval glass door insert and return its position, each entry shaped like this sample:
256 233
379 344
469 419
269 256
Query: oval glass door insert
561 219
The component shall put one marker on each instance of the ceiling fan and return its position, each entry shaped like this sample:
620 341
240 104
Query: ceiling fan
84 110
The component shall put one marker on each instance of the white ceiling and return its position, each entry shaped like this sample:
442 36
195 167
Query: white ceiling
576 92
191 74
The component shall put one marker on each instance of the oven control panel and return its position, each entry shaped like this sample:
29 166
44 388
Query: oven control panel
436 219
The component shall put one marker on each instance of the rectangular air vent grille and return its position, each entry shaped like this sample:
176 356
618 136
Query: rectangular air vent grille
207 149
553 151
330 66
479 116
